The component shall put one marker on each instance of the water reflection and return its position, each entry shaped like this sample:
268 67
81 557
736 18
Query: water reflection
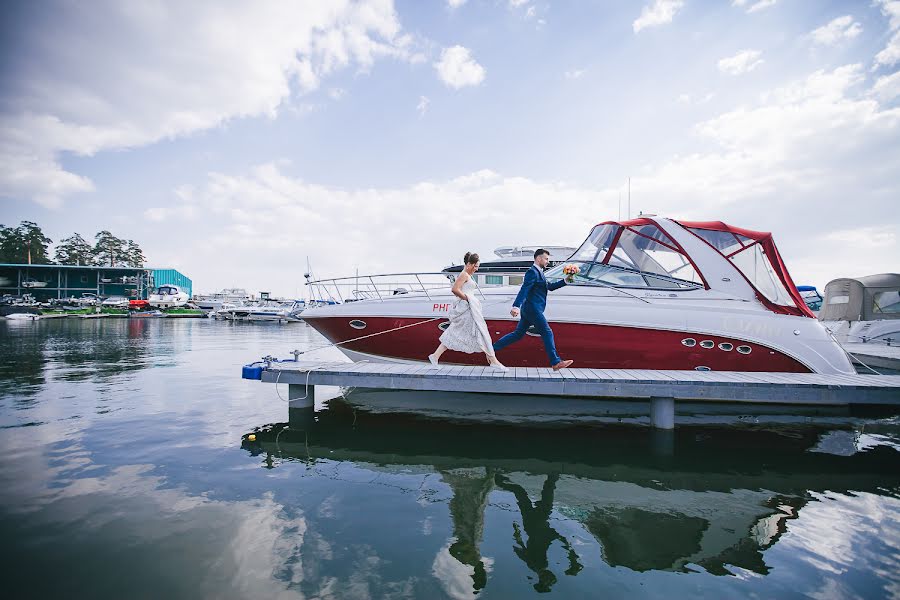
715 504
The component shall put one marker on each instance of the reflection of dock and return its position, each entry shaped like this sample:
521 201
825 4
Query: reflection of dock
661 388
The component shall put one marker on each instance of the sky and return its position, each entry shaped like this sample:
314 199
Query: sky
234 141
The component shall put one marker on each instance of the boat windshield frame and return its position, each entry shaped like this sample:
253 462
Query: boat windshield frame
595 253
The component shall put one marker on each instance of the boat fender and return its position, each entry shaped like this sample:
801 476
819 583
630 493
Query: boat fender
252 371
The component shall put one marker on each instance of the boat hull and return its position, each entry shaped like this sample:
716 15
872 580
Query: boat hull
594 346
599 329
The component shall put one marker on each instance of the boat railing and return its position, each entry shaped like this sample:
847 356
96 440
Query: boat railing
382 286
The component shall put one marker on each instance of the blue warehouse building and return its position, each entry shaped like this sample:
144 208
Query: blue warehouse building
46 282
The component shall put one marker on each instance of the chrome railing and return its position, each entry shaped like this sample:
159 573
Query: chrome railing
382 286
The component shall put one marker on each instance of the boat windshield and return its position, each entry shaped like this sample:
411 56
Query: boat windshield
634 256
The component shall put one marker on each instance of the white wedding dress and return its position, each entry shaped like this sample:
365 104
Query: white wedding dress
467 331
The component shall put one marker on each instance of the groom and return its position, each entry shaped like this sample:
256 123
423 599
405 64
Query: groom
532 299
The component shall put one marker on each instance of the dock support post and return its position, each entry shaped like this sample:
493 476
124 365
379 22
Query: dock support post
301 405
301 396
662 413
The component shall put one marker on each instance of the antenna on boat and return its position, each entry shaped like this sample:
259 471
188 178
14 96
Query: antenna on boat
619 217
629 197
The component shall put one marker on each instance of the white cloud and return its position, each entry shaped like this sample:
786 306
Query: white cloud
186 67
695 98
878 236
661 12
575 73
815 153
268 218
890 55
756 6
742 62
455 3
839 29
888 87
422 106
457 68
517 3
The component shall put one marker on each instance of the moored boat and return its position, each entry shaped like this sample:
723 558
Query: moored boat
652 293
168 296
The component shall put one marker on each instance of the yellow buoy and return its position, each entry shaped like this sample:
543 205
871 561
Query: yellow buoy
252 437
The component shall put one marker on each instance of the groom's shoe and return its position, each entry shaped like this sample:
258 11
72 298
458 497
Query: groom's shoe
563 364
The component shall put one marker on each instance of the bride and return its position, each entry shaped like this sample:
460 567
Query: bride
467 331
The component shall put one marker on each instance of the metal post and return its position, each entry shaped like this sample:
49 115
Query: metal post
662 413
424 289
301 396
376 288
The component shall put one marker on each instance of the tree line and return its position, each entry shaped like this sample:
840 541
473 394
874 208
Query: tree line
27 244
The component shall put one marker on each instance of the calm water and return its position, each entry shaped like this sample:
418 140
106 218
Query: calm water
126 472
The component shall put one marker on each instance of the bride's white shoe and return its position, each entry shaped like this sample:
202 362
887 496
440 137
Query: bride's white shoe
500 367
432 359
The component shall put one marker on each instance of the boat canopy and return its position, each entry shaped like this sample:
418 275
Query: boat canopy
755 255
871 298
633 254
639 253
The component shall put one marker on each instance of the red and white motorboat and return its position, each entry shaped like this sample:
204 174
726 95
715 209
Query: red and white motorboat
653 293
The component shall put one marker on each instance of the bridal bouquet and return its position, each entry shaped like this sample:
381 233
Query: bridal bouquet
570 271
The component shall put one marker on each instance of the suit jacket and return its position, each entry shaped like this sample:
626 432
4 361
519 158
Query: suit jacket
533 294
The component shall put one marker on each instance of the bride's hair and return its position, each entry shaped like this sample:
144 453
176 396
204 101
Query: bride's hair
471 258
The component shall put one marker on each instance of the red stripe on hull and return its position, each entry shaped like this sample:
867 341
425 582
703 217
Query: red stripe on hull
590 346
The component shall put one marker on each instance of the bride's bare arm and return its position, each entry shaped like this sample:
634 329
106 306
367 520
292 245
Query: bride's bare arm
457 286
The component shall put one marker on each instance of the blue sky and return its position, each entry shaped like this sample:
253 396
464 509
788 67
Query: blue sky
232 140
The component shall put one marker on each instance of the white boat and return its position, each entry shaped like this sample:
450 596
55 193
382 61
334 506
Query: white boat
33 283
652 293
214 302
23 317
811 297
511 264
168 296
115 302
267 310
863 309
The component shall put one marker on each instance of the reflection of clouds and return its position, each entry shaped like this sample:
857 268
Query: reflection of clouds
454 576
840 533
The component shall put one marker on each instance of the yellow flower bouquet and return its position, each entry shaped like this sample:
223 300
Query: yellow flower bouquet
570 271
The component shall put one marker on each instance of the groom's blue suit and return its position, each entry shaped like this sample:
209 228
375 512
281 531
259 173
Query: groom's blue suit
532 300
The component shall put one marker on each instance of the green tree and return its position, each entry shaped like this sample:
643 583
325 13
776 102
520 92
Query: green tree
74 250
135 256
24 244
109 251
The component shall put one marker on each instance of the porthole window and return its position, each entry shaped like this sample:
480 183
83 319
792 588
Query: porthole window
443 326
744 349
707 344
702 368
357 324
689 342
726 346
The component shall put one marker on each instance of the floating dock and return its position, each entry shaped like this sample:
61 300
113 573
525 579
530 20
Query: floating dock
661 388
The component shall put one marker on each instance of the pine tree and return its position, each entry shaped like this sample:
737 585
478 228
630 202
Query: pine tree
109 251
25 244
135 256
74 250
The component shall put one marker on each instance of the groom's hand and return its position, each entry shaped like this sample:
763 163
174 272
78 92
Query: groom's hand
514 312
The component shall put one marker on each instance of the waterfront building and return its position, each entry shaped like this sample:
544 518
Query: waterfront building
46 282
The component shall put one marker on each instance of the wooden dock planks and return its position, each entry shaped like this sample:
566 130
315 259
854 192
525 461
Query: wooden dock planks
778 388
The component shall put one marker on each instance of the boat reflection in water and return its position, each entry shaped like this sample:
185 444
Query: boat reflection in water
713 500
